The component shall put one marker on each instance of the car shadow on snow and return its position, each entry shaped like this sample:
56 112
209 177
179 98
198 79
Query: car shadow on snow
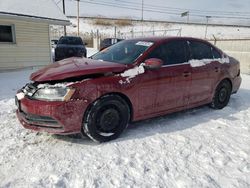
176 121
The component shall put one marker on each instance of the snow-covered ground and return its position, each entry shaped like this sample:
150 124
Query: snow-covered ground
196 148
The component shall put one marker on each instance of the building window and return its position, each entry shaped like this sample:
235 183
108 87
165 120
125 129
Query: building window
7 34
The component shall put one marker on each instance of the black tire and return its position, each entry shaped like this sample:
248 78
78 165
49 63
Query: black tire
222 95
106 119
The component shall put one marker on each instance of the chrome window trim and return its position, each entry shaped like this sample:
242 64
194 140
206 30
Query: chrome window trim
176 64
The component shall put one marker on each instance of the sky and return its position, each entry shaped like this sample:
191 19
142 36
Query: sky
222 11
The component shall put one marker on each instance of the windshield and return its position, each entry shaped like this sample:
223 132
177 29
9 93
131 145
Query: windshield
71 41
124 52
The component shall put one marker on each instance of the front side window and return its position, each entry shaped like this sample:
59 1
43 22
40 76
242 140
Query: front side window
7 34
173 52
124 52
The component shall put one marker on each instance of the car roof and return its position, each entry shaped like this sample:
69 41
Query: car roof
159 39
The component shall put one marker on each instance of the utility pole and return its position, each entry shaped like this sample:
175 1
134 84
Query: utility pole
115 31
65 32
78 22
207 17
142 10
142 16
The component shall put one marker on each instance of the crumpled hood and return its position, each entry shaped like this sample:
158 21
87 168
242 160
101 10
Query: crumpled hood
75 67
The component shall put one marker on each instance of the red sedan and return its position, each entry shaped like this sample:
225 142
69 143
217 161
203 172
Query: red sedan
129 81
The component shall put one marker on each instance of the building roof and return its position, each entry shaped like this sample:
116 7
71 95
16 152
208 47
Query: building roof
38 10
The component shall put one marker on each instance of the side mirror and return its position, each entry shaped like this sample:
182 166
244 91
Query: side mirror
85 43
153 63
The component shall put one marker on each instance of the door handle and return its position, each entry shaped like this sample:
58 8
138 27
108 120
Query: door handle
217 69
186 74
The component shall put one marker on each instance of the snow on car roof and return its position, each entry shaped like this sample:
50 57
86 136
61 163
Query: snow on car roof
43 9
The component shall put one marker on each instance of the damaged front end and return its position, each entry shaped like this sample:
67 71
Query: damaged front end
47 92
59 95
57 106
50 107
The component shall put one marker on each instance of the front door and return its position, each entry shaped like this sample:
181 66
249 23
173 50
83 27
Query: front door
173 79
173 86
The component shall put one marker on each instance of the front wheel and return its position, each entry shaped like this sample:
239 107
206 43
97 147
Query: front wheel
222 95
106 119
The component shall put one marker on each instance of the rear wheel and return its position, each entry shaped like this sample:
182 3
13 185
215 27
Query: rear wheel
222 95
106 119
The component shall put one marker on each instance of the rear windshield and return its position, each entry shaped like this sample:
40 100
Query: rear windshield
71 41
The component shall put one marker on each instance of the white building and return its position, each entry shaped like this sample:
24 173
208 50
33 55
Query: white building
25 33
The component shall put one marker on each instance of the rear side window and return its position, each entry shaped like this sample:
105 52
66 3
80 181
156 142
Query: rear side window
216 54
200 50
106 41
173 52
71 41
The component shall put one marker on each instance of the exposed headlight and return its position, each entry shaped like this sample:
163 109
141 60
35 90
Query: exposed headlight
54 93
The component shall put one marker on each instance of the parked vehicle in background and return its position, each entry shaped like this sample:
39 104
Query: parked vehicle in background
70 46
109 42
130 81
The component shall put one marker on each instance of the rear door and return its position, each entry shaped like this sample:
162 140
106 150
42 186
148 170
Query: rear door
204 70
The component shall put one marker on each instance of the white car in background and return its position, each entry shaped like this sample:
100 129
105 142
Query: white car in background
53 46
